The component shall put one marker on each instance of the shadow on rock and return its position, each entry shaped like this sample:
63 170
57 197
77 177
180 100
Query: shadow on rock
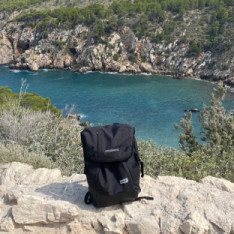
72 192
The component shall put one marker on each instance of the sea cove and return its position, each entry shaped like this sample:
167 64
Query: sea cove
150 103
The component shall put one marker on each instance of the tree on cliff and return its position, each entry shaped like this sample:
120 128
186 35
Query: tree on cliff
218 135
218 127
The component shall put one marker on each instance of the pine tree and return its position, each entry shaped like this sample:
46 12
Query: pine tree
187 140
218 126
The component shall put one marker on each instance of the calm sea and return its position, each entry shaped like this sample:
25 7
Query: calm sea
150 103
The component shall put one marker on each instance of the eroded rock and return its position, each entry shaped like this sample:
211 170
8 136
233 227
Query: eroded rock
6 224
44 201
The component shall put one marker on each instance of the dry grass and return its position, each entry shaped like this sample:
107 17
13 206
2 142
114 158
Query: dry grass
17 153
47 135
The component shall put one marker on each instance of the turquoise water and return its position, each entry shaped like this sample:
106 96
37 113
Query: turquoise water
150 103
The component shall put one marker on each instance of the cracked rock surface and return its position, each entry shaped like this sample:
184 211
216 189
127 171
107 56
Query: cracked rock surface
43 201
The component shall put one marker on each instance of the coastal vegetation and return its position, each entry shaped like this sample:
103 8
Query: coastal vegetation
46 139
143 17
187 38
29 100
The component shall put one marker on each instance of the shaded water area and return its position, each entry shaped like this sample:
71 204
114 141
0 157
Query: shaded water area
151 103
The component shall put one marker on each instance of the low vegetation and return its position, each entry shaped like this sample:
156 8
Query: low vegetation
46 139
194 161
29 100
145 18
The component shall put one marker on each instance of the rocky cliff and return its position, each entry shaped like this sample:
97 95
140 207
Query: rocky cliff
122 51
43 201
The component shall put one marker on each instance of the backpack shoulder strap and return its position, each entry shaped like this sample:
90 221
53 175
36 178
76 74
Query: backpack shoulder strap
138 158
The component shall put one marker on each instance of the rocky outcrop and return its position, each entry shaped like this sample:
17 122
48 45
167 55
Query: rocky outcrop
43 201
121 52
6 50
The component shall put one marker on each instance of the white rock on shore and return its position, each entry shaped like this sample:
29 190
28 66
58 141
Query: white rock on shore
43 201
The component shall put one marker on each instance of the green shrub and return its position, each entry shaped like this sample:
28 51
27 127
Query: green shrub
132 58
161 161
44 139
28 100
216 156
43 133
18 153
116 57
194 50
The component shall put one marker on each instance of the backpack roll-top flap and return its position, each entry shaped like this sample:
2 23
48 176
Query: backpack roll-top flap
112 143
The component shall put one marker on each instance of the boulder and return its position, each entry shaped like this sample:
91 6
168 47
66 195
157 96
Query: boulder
221 184
33 67
73 116
35 209
146 67
7 224
44 201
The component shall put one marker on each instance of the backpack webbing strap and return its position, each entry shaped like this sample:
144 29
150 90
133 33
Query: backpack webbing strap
88 199
142 168
144 197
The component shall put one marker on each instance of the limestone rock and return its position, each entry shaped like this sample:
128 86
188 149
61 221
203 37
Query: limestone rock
221 184
129 39
84 69
6 50
33 210
33 67
195 223
76 49
146 225
43 201
23 174
6 224
113 66
146 67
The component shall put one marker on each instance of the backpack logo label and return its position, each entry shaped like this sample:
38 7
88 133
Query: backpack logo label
111 150
124 181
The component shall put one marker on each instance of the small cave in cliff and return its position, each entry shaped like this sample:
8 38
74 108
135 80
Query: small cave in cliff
73 50
22 46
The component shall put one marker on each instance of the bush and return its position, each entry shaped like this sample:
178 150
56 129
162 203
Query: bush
132 58
17 153
29 100
160 161
43 133
45 139
194 50
216 156
116 57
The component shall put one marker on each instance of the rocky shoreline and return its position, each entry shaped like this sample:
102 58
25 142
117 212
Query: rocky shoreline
229 87
121 52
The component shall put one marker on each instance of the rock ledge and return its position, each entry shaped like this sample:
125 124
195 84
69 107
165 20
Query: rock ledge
43 201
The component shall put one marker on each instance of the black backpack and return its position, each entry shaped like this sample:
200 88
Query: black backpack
112 164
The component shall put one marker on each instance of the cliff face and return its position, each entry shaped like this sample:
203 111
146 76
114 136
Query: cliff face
122 51
42 201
